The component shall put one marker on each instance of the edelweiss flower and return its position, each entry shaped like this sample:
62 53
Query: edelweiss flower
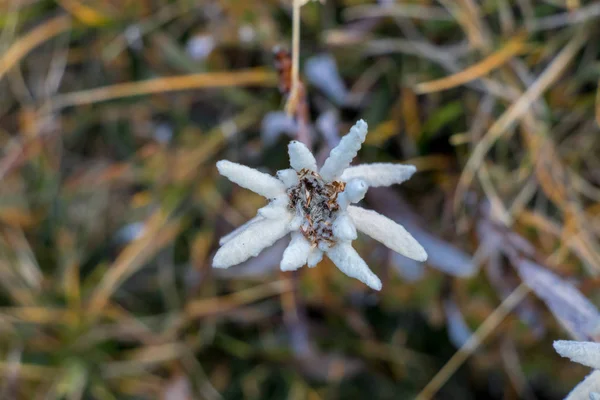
314 206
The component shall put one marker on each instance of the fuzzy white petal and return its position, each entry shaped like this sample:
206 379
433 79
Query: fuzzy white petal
296 222
585 388
340 157
296 253
314 257
301 157
323 246
586 353
249 178
386 231
277 208
356 190
239 230
343 228
353 193
251 242
289 177
379 174
349 262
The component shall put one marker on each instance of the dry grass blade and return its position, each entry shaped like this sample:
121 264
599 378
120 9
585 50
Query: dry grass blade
84 13
476 71
574 17
292 102
204 307
397 10
466 15
37 315
156 230
31 40
29 372
598 103
208 80
516 111
139 360
474 341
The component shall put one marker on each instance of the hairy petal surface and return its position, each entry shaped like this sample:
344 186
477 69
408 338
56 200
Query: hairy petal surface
343 228
251 241
340 157
353 193
289 177
315 257
301 157
251 179
239 229
349 262
585 353
296 254
386 231
277 208
587 388
379 174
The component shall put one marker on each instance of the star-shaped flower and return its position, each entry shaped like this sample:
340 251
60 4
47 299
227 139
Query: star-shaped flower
314 205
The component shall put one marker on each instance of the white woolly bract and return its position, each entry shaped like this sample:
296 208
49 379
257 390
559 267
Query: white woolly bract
340 157
585 353
594 396
289 177
350 263
386 231
586 387
301 157
343 228
353 193
314 257
250 242
276 209
296 254
251 179
239 230
379 174
296 222
356 190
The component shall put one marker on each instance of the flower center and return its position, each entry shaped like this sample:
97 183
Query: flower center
316 201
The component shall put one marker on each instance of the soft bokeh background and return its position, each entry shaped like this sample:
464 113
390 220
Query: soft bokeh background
114 112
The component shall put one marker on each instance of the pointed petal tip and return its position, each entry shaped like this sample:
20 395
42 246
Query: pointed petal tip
388 232
252 179
362 128
374 283
379 174
301 156
347 260
220 260
295 254
560 345
421 255
221 164
315 257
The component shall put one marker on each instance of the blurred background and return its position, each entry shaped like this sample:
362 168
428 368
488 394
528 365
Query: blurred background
114 112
